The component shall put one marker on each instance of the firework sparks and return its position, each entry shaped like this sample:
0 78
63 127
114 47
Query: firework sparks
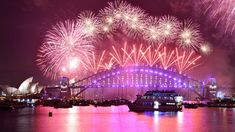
89 23
151 55
63 43
133 19
186 62
167 58
108 65
206 49
136 55
119 56
190 37
94 63
152 33
221 13
68 45
169 27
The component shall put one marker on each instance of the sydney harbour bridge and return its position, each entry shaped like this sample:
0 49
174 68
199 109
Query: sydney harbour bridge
140 78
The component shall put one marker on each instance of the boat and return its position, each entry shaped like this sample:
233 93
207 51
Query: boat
63 104
50 102
156 100
80 102
225 102
117 102
190 105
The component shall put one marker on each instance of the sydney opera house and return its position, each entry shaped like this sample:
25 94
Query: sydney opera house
27 87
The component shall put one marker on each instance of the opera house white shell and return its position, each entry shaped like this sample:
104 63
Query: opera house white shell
26 87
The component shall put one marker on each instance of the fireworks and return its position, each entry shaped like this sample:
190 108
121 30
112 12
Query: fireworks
65 45
190 37
169 27
205 49
94 62
167 58
120 56
89 23
161 56
221 13
152 32
151 55
69 45
186 62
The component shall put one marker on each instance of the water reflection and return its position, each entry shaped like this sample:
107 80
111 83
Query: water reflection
72 123
116 119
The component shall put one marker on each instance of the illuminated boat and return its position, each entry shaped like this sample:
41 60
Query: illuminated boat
157 101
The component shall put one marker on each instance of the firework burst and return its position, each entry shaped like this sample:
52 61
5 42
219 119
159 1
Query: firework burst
189 36
63 43
89 24
152 33
169 27
69 45
205 48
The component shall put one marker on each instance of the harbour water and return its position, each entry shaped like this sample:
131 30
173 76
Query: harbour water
116 119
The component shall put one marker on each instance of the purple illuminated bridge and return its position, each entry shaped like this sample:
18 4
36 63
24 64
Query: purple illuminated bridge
141 77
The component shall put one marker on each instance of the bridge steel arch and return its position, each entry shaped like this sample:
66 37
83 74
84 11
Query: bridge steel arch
141 77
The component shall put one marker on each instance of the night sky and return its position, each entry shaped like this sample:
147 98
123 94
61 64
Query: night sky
25 22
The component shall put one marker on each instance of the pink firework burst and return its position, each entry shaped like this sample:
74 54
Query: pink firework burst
221 13
186 61
167 58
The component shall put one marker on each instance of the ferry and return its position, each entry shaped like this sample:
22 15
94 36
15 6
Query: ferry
156 100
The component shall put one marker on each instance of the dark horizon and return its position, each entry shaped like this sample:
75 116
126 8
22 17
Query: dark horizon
26 22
